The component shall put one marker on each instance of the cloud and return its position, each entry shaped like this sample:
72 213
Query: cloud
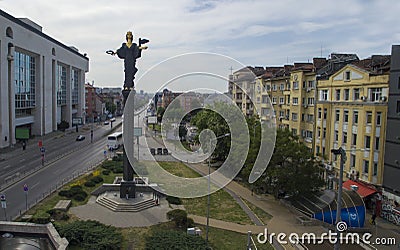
256 32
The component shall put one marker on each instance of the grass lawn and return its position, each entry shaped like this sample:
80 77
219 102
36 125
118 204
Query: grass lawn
222 205
261 214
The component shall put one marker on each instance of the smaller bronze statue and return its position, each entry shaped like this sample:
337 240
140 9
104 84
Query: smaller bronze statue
130 51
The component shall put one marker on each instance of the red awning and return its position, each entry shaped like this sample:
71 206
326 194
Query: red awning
363 190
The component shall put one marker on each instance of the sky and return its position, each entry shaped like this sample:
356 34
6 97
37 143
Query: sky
241 32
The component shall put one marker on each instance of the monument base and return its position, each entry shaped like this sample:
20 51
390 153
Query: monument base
127 189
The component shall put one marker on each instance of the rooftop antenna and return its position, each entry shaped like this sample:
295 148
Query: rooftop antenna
231 70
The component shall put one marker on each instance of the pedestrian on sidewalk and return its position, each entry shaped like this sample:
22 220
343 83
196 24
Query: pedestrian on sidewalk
373 217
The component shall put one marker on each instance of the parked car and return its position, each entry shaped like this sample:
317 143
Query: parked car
106 122
80 138
112 119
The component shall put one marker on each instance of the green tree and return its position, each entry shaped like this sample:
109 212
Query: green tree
180 218
111 107
293 169
160 114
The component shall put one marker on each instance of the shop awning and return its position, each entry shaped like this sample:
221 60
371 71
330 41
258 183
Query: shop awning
363 190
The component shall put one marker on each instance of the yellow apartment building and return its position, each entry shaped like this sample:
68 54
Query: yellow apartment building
351 113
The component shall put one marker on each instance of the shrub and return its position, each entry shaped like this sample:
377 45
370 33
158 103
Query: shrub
65 193
80 196
172 239
57 214
118 169
91 235
97 179
106 172
90 184
40 220
174 200
179 216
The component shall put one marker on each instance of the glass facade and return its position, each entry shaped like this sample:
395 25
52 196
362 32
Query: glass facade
61 85
24 83
74 85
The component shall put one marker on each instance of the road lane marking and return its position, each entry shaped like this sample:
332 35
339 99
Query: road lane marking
33 186
8 166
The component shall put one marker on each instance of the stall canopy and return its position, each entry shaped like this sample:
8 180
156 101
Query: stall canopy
322 206
362 189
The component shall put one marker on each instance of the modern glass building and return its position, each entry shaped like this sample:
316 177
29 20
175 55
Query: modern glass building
41 80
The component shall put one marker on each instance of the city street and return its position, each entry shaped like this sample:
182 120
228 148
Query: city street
66 159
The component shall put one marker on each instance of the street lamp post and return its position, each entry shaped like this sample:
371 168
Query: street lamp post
342 154
209 187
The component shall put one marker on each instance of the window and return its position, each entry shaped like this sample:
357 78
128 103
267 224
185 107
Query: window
264 99
310 101
354 139
366 167
323 95
304 84
325 114
309 134
356 94
352 161
355 116
324 133
294 116
369 117
398 107
294 131
75 86
377 143
346 94
311 84
274 100
295 85
274 87
323 150
282 87
288 99
337 115
281 100
264 111
378 118
24 83
319 132
347 76
295 101
346 116
318 149
303 117
375 172
281 113
367 142
310 118
337 94
287 86
336 135
375 94
344 137
319 113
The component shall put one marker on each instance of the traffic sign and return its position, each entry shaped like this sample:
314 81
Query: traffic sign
2 197
42 149
40 143
25 188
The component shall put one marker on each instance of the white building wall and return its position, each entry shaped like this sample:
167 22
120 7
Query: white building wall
40 46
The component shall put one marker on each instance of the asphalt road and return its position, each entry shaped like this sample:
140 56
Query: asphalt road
66 158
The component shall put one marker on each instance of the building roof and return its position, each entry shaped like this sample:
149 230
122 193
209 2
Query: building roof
363 189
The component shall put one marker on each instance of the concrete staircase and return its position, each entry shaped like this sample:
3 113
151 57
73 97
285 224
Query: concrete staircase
125 207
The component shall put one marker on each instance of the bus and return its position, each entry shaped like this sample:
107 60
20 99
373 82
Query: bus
114 141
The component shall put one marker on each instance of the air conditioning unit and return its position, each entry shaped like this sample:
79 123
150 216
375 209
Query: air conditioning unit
353 172
308 89
383 99
363 98
305 105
